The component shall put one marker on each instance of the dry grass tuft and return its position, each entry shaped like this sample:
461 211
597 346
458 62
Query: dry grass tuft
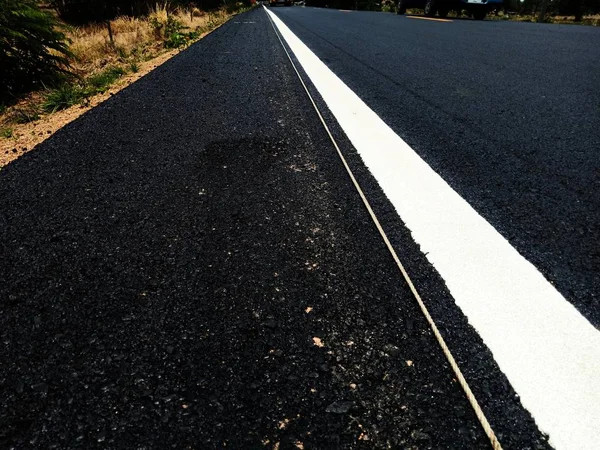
134 38
593 20
92 47
159 12
191 18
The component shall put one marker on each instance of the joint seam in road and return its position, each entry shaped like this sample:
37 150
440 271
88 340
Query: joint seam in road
447 353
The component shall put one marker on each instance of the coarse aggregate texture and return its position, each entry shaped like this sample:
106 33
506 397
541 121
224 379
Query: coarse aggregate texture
189 265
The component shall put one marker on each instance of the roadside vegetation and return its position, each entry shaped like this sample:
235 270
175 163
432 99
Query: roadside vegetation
582 12
592 19
57 55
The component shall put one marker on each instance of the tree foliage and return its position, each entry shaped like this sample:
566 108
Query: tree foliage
84 11
33 49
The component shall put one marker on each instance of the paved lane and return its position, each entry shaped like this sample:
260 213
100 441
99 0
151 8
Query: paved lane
536 337
507 113
188 265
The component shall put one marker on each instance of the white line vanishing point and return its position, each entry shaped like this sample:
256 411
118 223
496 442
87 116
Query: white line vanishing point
547 349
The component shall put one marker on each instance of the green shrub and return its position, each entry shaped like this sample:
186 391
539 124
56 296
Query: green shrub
33 50
174 35
101 81
121 52
388 6
175 40
6 133
171 32
157 26
63 97
72 94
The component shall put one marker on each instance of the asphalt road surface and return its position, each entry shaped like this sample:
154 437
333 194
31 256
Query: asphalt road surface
189 264
506 112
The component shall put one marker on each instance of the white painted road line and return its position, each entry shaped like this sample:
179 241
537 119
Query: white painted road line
547 349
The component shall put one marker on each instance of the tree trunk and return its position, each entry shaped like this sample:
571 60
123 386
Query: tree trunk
542 13
578 11
110 33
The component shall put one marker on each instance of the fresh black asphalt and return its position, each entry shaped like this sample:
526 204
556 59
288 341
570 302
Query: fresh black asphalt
171 260
507 113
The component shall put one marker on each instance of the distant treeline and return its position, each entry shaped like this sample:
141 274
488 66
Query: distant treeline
363 5
82 11
576 8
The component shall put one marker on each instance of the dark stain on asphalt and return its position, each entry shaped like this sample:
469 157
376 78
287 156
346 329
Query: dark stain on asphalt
190 326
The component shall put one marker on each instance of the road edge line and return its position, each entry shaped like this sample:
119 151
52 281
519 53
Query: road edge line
548 351
487 428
